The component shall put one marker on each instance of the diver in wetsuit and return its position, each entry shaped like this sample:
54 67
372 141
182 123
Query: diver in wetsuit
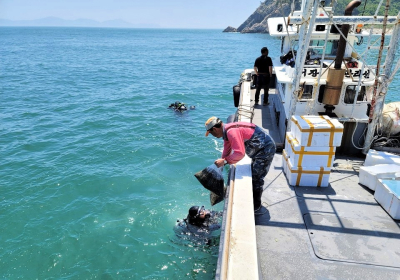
178 106
200 223
202 218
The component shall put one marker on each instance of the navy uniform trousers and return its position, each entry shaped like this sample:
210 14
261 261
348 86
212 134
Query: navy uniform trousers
261 149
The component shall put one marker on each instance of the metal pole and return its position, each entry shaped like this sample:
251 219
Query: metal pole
380 88
304 42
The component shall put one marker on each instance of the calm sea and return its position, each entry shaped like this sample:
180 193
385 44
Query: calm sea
94 169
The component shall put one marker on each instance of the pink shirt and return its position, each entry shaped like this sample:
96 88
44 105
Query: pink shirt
237 133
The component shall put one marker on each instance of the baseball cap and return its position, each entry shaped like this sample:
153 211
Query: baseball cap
210 123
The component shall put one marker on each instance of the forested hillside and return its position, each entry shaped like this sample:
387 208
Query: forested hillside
257 22
368 7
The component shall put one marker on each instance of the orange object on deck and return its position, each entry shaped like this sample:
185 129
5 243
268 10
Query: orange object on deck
359 28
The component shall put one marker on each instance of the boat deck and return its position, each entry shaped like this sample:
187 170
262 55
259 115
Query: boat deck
337 232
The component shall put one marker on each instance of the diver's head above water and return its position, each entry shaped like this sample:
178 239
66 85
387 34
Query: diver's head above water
197 215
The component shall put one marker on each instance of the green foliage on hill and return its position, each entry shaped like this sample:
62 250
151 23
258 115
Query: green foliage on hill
367 7
370 7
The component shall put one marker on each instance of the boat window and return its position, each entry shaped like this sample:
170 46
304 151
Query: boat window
307 92
351 93
317 48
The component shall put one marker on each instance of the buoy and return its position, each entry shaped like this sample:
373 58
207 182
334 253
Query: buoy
236 95
359 28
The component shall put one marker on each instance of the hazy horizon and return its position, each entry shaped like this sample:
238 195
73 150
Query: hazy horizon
82 22
159 14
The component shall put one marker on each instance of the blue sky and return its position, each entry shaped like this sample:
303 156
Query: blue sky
164 13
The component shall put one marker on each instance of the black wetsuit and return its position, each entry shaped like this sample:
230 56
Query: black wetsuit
200 230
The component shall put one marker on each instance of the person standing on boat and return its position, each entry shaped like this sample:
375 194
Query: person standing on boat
263 69
242 138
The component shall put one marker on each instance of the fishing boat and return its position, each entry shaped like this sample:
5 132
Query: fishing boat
333 71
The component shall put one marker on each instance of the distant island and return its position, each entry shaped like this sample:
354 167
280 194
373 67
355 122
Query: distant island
59 22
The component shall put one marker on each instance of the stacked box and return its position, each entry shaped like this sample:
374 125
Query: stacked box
303 156
310 149
317 131
285 161
307 176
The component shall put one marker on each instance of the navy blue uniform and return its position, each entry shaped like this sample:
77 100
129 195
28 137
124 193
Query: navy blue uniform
261 149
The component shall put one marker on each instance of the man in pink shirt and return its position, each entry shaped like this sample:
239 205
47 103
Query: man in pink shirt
242 138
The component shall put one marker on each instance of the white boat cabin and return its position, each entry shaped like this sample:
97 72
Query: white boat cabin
321 55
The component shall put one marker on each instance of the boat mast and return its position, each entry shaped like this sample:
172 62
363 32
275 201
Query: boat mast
306 29
382 82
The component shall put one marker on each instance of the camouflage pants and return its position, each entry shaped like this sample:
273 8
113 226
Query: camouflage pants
261 149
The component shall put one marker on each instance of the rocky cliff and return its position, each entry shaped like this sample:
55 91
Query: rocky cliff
257 22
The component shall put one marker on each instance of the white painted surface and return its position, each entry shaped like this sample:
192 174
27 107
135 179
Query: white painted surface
243 263
242 256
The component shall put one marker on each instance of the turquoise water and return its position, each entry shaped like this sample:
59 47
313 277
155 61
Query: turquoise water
95 170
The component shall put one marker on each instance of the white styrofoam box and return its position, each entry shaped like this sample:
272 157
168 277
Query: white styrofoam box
284 161
307 176
387 194
308 156
376 157
288 139
317 131
369 175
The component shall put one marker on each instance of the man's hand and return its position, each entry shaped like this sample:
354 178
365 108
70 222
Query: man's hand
219 162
